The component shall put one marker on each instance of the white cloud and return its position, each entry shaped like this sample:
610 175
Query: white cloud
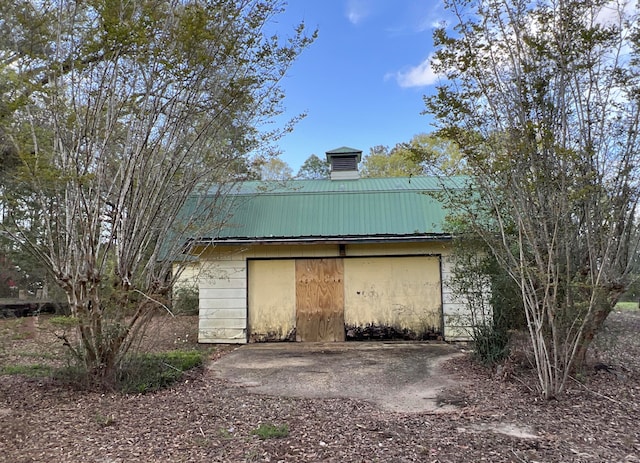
357 10
421 75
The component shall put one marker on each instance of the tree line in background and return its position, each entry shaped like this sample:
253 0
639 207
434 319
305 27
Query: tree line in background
424 154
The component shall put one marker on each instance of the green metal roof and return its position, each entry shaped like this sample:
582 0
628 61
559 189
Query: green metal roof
309 210
344 150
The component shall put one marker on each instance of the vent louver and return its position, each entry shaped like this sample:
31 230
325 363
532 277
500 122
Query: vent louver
345 163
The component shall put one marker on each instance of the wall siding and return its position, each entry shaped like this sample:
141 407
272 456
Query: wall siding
223 300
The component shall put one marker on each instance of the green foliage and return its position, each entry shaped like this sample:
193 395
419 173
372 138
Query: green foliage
275 169
542 99
63 322
152 372
490 343
186 301
382 162
140 373
104 420
633 290
271 431
627 306
424 154
490 296
314 168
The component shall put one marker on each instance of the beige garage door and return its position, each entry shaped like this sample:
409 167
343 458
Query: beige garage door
317 298
395 292
272 299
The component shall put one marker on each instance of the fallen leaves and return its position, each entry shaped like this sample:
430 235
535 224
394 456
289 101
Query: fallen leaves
208 420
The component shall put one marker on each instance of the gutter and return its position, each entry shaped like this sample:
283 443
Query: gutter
318 240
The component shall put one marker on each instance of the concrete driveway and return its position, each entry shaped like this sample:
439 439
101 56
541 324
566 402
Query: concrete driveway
397 376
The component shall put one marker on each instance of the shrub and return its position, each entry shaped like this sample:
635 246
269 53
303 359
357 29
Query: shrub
140 373
186 301
491 343
151 372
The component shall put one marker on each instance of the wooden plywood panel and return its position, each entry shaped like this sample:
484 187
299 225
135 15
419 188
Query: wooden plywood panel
319 300
271 299
394 292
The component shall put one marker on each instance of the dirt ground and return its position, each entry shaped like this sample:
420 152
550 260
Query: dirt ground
487 415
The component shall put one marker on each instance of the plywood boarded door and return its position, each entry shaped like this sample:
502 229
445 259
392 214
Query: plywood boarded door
319 300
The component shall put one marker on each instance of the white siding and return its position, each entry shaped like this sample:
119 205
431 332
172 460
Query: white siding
223 300
457 320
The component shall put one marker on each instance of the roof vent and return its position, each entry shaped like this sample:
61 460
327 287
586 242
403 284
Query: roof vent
344 163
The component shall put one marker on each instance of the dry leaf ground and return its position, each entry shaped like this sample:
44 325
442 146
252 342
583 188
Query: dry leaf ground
497 418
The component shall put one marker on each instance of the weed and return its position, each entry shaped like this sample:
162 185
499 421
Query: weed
225 433
491 343
64 322
18 336
37 355
104 420
33 371
271 431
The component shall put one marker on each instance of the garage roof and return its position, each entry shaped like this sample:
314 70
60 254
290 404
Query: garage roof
336 210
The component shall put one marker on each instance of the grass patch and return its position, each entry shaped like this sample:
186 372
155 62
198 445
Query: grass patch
140 373
33 371
152 372
271 431
630 305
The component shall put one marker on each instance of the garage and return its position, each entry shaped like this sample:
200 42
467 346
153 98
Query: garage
341 258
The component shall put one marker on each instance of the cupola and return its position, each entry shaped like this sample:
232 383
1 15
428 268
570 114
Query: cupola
344 163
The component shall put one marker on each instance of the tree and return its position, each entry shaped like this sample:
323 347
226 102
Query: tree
436 155
314 168
122 113
382 162
275 169
543 100
424 154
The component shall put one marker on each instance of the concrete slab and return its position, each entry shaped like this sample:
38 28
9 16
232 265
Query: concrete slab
396 376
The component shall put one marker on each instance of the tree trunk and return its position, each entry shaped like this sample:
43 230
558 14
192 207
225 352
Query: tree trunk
592 326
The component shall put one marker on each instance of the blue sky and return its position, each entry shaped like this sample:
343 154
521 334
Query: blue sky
362 81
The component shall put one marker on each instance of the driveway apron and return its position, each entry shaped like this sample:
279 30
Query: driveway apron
396 376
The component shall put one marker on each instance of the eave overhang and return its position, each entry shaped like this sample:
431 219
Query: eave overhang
319 240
